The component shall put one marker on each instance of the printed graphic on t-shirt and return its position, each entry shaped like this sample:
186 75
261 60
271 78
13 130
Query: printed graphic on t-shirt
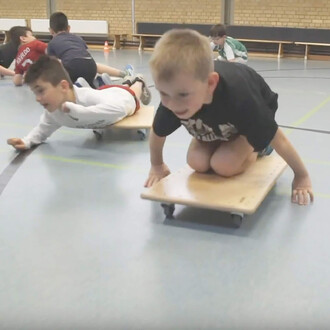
203 132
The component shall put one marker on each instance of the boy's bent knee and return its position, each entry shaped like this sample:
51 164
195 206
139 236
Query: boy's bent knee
198 164
226 171
225 168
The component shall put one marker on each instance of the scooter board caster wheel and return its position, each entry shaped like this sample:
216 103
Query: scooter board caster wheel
168 209
237 219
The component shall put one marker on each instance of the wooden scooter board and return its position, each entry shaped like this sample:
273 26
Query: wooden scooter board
242 193
143 118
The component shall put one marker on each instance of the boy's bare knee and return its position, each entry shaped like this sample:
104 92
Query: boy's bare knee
225 171
198 164
225 168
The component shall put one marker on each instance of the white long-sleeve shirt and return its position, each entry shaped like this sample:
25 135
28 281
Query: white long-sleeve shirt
93 109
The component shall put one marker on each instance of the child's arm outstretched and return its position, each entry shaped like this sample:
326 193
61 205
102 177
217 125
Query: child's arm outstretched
302 191
158 168
38 134
6 72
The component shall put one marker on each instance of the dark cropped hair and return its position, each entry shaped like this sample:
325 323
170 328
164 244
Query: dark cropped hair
218 30
49 69
16 32
58 22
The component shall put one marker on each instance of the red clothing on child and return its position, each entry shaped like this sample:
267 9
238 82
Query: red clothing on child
28 54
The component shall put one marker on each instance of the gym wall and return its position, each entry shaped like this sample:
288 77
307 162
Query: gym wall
286 13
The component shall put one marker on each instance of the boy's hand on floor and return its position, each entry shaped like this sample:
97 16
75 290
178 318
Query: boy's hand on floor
302 192
17 143
156 173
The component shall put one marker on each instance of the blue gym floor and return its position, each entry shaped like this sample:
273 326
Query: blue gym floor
79 248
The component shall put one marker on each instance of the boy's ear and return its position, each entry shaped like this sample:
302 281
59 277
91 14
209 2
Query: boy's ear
51 31
65 85
213 81
69 28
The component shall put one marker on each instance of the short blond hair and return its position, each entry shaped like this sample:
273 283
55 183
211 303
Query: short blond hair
182 50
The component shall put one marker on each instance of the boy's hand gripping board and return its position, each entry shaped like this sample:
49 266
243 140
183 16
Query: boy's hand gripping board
240 194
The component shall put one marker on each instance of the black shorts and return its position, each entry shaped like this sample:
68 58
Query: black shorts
82 67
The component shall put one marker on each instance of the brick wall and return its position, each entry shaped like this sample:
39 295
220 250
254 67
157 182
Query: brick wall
174 11
23 9
290 13
118 13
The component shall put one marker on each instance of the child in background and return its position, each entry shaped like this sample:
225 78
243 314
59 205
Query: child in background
73 52
29 51
68 105
228 108
229 48
8 52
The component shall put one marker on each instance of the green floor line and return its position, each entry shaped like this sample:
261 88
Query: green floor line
93 163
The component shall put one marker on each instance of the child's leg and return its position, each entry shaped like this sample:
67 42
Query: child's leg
6 72
233 157
200 153
102 68
137 88
140 88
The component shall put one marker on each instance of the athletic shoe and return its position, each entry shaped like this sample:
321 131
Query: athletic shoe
265 152
129 70
128 80
106 79
81 82
146 94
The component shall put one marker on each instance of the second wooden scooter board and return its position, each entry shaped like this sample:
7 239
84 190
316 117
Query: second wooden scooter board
141 121
239 195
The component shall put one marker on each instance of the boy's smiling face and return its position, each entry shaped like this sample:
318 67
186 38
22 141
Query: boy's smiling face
49 96
184 95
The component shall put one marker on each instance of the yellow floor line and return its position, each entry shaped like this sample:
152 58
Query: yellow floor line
307 115
311 113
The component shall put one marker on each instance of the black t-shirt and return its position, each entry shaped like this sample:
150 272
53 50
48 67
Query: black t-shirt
243 104
68 46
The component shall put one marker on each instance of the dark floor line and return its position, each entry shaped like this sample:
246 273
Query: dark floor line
297 69
11 169
306 129
281 77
